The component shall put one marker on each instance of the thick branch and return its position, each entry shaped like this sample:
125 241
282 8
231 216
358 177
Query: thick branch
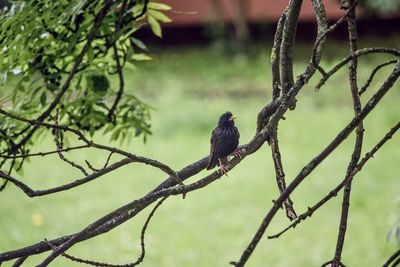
275 57
286 52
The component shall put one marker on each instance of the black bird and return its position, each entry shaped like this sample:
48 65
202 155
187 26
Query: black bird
224 141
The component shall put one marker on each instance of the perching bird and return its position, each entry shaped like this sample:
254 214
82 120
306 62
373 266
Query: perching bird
224 141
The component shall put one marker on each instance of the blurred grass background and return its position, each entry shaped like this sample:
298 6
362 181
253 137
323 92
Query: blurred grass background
189 88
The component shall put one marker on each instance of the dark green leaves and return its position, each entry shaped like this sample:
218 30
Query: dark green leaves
98 83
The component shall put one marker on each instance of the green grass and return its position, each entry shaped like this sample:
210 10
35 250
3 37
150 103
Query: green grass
189 89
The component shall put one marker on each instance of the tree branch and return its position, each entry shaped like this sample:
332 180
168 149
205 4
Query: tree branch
393 258
42 154
36 193
352 29
286 51
358 53
316 161
310 211
121 86
90 143
142 245
372 75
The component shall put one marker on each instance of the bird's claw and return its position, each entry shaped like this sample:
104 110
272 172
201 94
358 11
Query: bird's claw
238 154
223 170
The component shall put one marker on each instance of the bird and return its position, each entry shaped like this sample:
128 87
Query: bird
224 141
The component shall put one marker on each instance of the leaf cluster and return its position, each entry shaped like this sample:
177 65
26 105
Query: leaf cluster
41 42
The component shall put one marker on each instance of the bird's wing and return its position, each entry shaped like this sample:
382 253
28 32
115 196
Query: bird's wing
212 160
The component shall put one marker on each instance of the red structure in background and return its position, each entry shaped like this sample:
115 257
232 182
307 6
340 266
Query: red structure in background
198 12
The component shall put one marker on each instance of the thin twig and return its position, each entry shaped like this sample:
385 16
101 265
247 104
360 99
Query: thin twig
103 264
310 211
90 166
372 75
36 193
111 114
143 232
358 53
280 175
59 145
392 259
108 160
42 154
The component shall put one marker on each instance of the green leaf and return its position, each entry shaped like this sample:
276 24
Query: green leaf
90 54
139 43
155 26
158 6
158 16
43 99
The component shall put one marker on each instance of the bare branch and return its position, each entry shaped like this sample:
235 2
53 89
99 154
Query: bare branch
330 262
358 53
393 258
275 57
143 232
286 51
90 143
352 29
121 86
19 262
310 211
59 145
142 244
108 159
317 160
322 25
42 154
36 193
280 175
371 77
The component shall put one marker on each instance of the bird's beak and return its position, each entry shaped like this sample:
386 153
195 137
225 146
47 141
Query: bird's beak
232 118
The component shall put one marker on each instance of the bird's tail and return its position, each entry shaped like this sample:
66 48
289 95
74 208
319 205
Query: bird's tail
212 162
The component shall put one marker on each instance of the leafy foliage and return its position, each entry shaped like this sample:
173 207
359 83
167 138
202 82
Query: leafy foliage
45 43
